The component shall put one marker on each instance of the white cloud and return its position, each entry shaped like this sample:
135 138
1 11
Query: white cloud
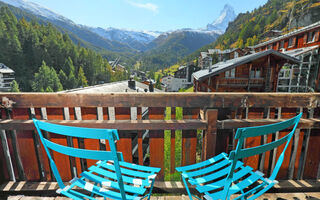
149 6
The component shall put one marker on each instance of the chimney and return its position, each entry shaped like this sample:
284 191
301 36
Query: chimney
132 84
151 88
210 68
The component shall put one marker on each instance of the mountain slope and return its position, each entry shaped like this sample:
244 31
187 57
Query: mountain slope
134 39
82 32
168 48
250 28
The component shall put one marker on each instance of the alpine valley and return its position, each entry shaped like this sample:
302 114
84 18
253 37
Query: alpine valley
151 49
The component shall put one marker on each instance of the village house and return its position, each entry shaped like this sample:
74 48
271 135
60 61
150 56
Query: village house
256 72
212 56
182 78
289 63
6 78
302 44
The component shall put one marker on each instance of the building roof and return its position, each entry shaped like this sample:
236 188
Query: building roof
120 86
204 54
312 26
232 63
297 52
214 51
5 69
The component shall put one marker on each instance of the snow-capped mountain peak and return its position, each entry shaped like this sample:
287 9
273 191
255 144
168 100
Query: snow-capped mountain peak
36 9
221 23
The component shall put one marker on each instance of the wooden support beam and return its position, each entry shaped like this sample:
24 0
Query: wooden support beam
210 135
193 100
185 124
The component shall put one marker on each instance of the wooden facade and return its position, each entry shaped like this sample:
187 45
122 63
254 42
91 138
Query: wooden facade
302 77
22 157
259 75
305 37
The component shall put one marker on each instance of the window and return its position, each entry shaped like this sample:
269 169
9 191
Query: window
255 73
227 74
311 36
270 46
231 73
282 44
258 74
290 42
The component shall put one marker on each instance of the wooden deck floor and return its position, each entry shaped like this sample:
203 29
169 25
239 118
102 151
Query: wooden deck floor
268 196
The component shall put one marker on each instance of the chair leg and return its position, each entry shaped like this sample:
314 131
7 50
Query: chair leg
151 187
187 188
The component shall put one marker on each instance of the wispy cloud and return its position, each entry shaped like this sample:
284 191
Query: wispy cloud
149 6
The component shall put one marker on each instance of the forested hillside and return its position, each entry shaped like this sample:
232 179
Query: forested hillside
250 28
45 59
167 49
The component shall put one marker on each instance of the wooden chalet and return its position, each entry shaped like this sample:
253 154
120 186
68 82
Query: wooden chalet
256 75
256 72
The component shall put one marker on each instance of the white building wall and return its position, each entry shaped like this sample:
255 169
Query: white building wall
174 84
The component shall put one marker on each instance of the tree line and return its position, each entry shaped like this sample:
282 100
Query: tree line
46 60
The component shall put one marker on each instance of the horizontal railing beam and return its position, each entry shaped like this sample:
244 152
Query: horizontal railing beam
187 124
238 123
192 100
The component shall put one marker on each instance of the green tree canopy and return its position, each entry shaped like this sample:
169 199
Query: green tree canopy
46 79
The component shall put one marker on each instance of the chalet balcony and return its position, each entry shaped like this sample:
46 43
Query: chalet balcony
165 130
241 82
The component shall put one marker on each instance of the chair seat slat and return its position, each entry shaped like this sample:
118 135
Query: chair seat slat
102 191
237 176
139 167
127 179
127 171
215 175
209 169
202 164
112 184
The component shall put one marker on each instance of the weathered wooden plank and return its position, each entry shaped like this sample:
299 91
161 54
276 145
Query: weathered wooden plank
306 147
210 135
124 145
7 155
40 159
25 140
156 142
185 124
189 138
78 116
298 135
238 123
222 100
73 167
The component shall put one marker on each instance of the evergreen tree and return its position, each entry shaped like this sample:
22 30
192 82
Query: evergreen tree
158 83
63 79
46 78
82 80
14 86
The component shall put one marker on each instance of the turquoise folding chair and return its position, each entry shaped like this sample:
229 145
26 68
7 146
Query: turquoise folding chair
110 177
222 176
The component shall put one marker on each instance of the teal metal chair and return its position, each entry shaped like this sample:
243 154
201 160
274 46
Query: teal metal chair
110 177
223 175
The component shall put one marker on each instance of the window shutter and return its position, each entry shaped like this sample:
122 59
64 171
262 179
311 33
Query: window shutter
294 41
305 38
317 36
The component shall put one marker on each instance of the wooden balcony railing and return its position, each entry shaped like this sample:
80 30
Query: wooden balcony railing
183 128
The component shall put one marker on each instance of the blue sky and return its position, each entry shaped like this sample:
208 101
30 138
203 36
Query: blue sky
152 15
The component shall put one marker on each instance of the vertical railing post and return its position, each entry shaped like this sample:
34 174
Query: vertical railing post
210 135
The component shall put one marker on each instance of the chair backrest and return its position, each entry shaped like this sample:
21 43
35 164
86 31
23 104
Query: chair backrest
243 133
90 133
